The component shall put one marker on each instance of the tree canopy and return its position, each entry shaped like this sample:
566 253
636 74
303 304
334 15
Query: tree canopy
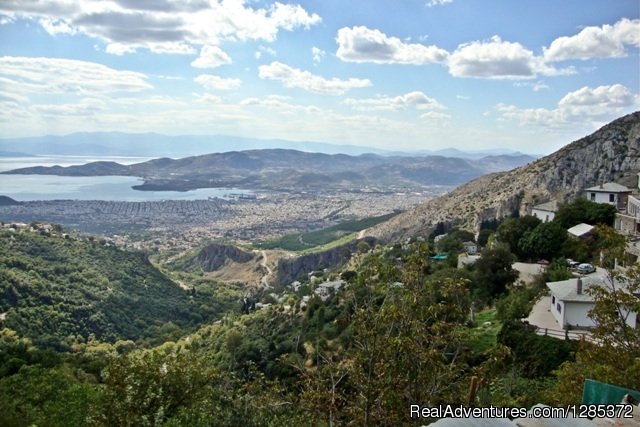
581 210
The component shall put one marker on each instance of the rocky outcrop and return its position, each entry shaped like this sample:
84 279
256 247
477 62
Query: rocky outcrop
214 256
290 269
610 154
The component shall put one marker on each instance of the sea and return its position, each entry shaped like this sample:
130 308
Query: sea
26 188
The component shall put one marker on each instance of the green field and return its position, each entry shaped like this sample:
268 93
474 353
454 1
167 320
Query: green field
313 239
483 337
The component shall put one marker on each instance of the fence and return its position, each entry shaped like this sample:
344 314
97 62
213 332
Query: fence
564 334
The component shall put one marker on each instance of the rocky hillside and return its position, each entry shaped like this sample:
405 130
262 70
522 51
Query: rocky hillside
290 269
214 256
610 154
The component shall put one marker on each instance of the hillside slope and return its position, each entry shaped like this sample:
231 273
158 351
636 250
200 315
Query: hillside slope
610 153
58 291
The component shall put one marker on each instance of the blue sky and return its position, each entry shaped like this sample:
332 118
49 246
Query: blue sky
472 74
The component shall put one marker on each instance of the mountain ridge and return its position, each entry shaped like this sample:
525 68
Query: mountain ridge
286 169
151 144
610 153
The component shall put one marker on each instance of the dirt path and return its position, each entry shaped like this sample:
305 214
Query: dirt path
264 263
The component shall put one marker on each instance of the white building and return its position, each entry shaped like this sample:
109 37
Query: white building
571 303
438 238
545 211
327 289
628 222
470 247
581 230
609 193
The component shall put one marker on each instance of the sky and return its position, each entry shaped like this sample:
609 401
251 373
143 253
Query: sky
526 75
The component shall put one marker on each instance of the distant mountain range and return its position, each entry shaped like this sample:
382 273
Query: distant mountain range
279 169
612 153
157 145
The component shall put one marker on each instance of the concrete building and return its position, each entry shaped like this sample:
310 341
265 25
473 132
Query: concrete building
609 193
571 303
545 211
627 223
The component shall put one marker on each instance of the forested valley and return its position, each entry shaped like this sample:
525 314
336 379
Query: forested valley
95 335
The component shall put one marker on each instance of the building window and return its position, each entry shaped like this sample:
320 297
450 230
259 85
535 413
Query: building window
593 197
612 198
559 308
553 299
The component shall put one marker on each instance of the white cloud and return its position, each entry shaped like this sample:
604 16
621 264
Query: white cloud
435 116
67 76
317 54
162 26
208 98
597 102
497 59
608 41
172 48
417 100
361 44
84 107
585 105
13 97
295 78
290 16
56 26
432 3
212 82
536 86
211 57
265 49
280 104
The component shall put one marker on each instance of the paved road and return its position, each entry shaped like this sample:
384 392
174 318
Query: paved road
528 271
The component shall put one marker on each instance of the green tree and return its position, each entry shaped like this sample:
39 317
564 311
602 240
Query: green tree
535 355
557 271
147 388
517 304
582 210
545 241
405 342
47 397
483 237
493 272
513 229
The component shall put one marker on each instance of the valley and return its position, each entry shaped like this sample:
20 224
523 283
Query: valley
324 304
189 223
242 213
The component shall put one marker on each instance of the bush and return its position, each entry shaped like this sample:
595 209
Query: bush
535 355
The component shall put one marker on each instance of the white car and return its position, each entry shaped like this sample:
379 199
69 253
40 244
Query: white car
585 268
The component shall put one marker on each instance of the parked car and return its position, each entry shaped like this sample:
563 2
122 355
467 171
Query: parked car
572 264
585 268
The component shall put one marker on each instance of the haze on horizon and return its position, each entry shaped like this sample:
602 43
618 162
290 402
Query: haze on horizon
528 76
